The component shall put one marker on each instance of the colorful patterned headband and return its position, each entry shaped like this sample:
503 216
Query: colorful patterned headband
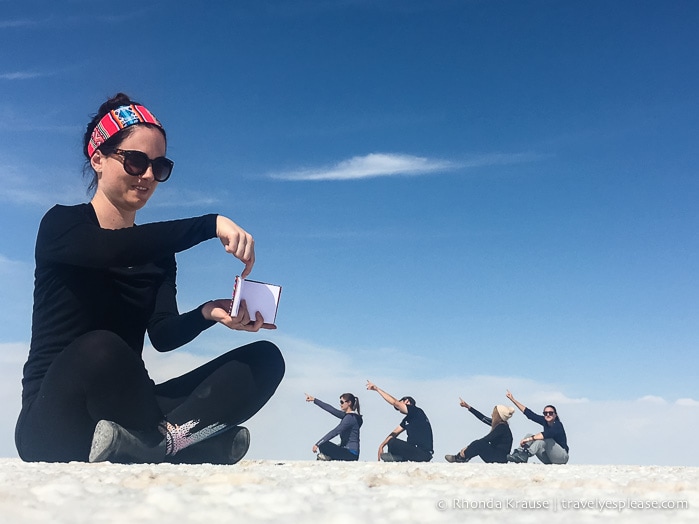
116 120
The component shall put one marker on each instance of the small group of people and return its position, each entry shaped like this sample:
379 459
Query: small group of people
550 445
417 447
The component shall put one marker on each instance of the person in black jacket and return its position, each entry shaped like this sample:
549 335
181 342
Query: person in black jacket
550 445
101 283
348 429
495 446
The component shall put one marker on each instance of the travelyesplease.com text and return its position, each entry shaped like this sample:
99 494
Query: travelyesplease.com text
559 504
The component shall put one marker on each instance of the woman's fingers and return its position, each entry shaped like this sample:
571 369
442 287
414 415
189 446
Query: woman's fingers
237 242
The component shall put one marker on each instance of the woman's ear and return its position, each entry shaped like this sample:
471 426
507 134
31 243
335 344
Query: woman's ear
96 162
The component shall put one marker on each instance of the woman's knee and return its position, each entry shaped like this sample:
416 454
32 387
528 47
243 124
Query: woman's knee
265 359
273 358
102 351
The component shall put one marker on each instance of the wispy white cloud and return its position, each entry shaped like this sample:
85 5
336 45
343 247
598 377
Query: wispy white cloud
391 164
65 20
22 75
372 165
18 23
42 72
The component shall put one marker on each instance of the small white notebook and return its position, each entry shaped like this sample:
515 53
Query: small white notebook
258 296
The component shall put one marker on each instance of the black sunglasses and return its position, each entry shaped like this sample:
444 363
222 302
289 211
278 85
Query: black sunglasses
549 413
136 164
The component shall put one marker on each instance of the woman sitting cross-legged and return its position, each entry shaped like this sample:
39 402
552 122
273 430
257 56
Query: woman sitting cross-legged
347 429
550 445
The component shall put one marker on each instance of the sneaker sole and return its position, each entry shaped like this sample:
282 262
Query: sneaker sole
240 445
102 441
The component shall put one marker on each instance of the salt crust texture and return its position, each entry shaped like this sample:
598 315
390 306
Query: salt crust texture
333 492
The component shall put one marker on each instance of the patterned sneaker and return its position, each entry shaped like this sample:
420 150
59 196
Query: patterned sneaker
322 456
456 458
111 442
227 447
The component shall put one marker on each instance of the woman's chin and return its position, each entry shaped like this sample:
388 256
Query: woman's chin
140 199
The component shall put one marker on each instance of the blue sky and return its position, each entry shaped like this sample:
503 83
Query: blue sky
457 196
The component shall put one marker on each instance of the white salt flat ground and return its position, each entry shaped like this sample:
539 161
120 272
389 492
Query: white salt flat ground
366 492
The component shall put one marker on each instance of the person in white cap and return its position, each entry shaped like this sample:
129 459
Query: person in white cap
495 446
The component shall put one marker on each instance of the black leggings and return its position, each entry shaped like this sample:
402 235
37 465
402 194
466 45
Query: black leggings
409 452
98 376
335 452
487 453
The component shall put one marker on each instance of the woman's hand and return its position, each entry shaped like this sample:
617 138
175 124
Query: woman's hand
463 403
527 440
309 398
237 242
217 310
315 448
519 405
